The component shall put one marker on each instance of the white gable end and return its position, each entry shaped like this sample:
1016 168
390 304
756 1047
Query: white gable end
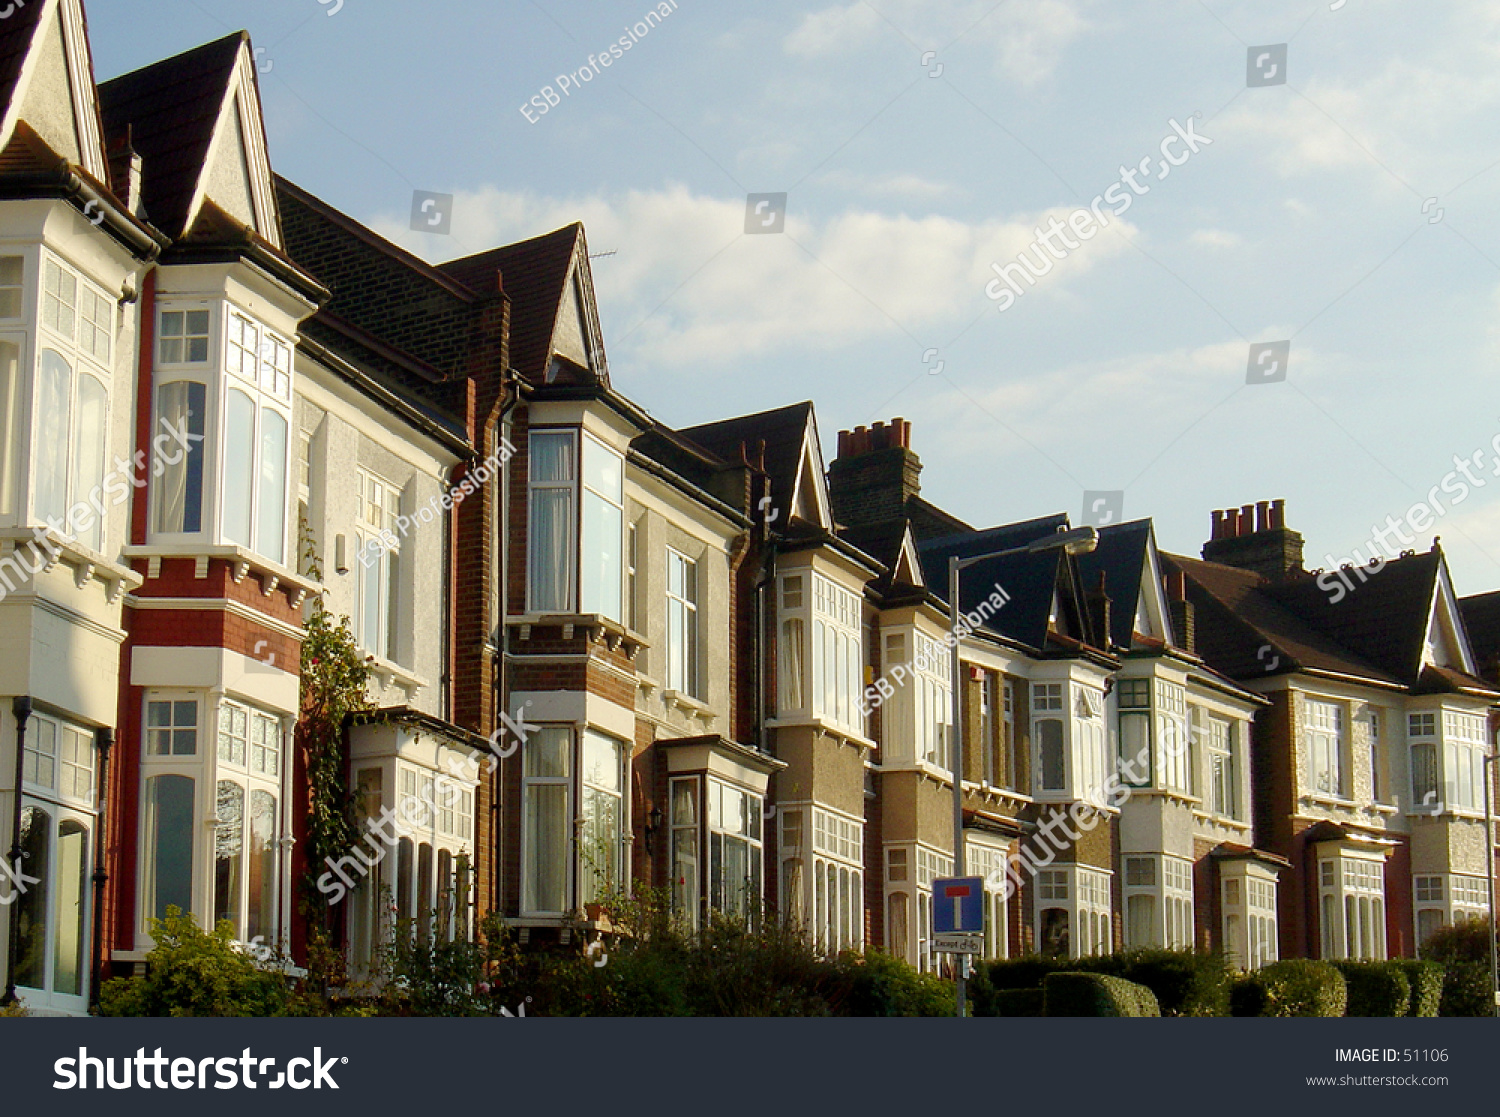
55 91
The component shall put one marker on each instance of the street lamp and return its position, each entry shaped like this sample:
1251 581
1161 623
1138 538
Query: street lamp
1079 541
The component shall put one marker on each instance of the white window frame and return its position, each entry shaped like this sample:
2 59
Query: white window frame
1325 728
1049 703
1164 886
1223 757
991 863
683 663
837 884
1174 741
1351 905
1083 893
577 544
1248 905
380 568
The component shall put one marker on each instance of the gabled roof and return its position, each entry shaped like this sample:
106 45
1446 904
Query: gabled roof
540 276
1481 614
47 74
1043 610
172 110
1251 627
1124 558
793 456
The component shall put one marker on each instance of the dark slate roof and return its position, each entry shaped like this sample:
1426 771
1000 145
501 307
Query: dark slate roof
1031 581
171 108
534 274
1250 626
1481 615
782 430
16 34
881 541
1121 558
928 521
1237 619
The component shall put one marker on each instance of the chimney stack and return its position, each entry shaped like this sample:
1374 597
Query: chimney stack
1255 537
875 474
1184 622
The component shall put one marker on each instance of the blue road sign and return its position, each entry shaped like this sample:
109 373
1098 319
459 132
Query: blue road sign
957 905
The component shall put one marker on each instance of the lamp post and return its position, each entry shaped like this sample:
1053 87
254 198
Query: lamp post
1489 871
1079 541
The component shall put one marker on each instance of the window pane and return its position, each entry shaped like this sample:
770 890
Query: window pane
10 425
229 844
551 456
551 558
270 524
260 917
72 933
181 408
90 445
603 524
32 905
169 844
1054 768
239 464
547 752
53 426
547 842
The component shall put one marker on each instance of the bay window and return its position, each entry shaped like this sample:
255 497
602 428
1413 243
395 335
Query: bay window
1133 699
1351 896
1444 899
1158 902
1464 750
1175 762
58 819
251 405
247 830
1073 913
730 830
546 820
1048 731
575 555
682 624
838 880
991 863
1323 727
821 651
1248 896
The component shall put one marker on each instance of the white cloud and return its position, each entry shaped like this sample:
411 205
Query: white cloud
1216 238
1027 38
687 287
903 186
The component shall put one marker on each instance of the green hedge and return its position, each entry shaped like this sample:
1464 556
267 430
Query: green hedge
1376 988
1466 990
1092 994
1185 982
1426 981
1295 987
1017 1002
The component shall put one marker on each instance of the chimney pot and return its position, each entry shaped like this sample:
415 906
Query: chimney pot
1278 513
1263 515
1218 529
1247 519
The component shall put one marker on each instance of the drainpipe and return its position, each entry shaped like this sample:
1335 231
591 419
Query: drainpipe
497 777
21 707
104 740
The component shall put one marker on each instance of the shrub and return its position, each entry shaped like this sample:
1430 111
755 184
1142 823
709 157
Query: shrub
1026 972
1466 990
1018 1002
1295 987
14 1011
1375 988
880 985
1426 981
1093 994
1185 982
192 972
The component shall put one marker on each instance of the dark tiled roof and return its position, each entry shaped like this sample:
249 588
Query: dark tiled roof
1237 620
171 109
16 34
1121 558
882 541
382 290
1383 621
1481 615
782 430
928 521
534 274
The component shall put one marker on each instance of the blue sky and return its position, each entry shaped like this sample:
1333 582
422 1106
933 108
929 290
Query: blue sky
1307 218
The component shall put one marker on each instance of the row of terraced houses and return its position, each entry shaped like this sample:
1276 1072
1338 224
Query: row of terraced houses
714 658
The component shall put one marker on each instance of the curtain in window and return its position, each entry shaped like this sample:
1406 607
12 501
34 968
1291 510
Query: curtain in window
260 917
238 481
793 637
405 854
1424 774
271 518
33 905
71 936
50 450
547 837
90 443
179 490
552 460
169 844
10 425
